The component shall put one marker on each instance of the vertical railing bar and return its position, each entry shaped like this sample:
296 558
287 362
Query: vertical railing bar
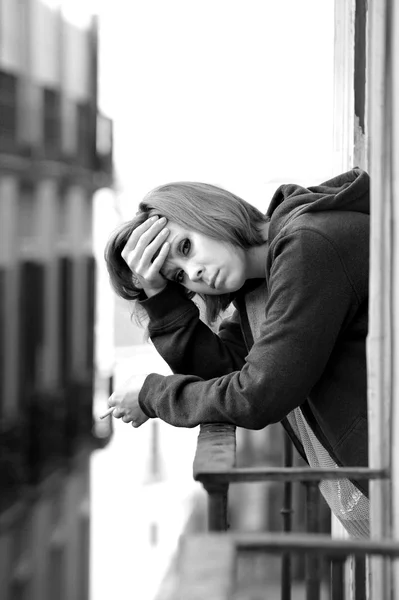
312 526
286 512
217 507
359 578
338 578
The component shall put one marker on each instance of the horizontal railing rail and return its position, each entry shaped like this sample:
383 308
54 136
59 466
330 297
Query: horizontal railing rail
249 474
214 467
295 542
208 564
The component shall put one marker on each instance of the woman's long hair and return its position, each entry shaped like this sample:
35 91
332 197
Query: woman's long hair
199 207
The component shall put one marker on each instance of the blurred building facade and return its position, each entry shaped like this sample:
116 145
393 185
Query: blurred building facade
55 153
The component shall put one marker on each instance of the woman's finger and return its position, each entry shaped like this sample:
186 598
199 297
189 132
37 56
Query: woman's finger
139 240
137 233
112 400
148 236
151 250
139 259
118 412
146 249
158 262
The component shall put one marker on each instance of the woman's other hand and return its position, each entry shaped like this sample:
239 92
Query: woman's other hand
147 241
126 402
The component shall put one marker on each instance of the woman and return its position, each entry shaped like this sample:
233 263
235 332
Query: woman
293 350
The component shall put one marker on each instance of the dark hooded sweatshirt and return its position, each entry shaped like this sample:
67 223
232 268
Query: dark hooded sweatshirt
311 351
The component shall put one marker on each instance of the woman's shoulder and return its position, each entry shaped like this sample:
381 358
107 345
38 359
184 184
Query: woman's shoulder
337 227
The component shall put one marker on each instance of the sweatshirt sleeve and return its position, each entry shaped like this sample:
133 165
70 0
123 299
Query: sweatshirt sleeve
186 343
310 297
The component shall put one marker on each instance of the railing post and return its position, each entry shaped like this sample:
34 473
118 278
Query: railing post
286 512
312 526
359 577
217 507
338 578
216 449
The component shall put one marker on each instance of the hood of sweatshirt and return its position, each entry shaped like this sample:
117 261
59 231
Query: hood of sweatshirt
346 192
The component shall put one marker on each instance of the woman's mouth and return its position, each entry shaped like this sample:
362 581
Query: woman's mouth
213 281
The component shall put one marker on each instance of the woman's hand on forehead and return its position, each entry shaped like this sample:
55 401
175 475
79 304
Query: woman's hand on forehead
145 252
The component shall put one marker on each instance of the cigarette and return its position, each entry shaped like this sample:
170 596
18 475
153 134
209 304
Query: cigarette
109 412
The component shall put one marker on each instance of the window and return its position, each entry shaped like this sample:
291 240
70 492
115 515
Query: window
51 122
85 134
8 108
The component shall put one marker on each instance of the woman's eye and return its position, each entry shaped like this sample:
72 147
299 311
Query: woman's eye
179 276
185 246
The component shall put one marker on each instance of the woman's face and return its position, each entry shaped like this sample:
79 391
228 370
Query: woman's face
202 264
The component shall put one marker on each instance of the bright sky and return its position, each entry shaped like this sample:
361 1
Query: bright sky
232 92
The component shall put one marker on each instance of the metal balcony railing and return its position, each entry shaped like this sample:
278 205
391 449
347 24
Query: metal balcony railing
208 563
214 467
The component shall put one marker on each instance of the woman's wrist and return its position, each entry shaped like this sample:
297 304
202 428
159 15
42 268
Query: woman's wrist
149 292
167 304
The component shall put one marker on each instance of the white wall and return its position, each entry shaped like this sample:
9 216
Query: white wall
45 43
10 56
75 62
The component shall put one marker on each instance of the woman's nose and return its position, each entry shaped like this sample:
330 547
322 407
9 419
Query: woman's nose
194 272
